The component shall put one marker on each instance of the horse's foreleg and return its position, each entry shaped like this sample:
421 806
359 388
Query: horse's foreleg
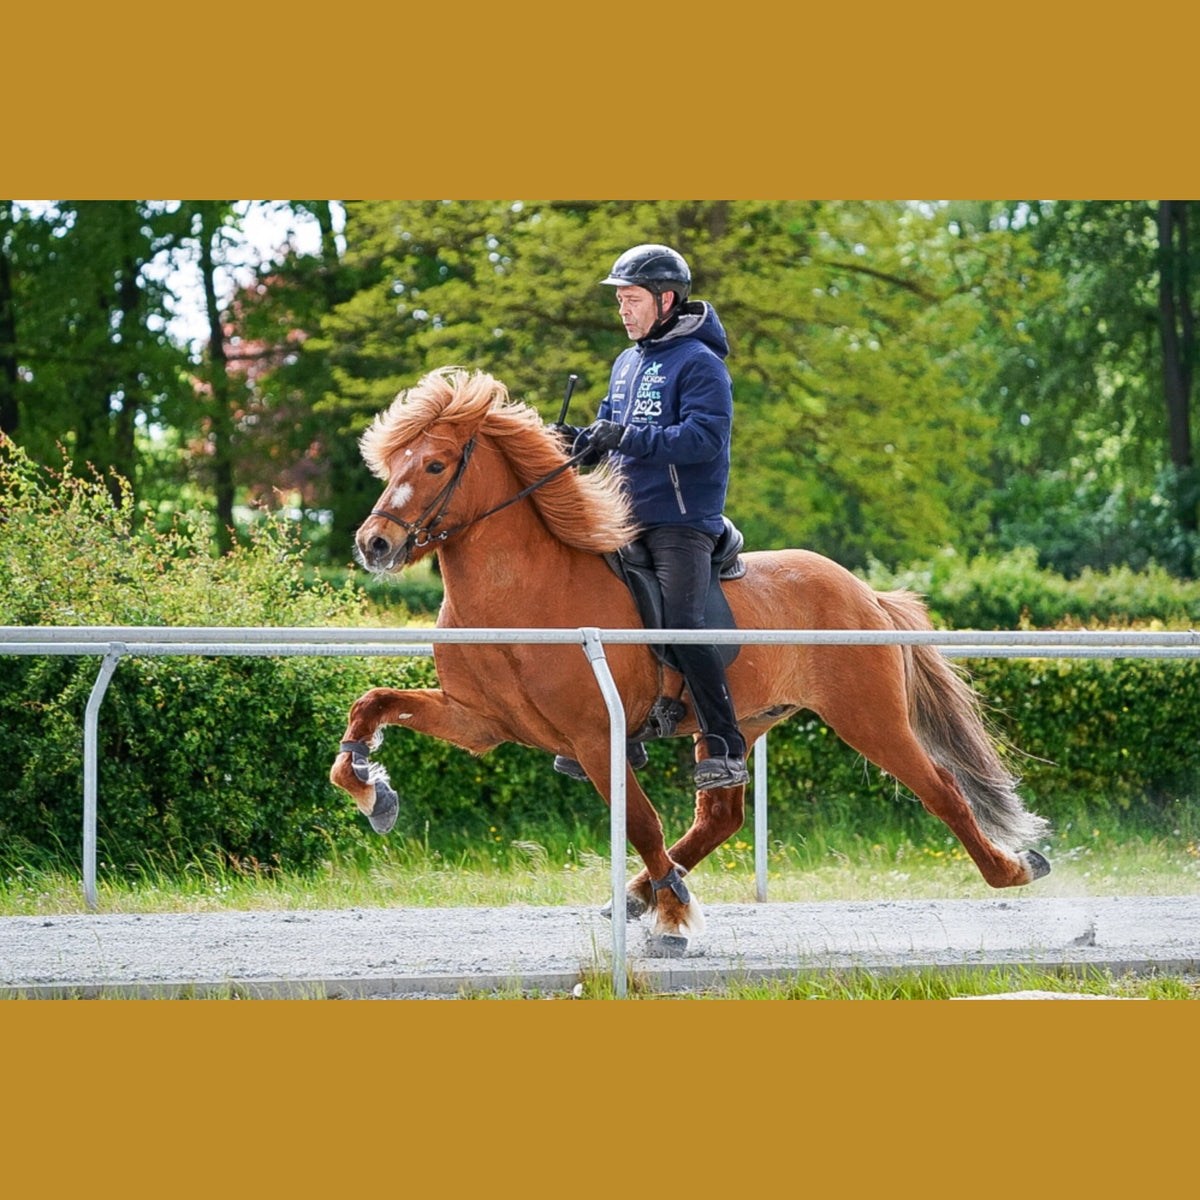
427 710
659 887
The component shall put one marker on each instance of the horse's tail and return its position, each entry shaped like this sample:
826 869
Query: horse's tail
947 716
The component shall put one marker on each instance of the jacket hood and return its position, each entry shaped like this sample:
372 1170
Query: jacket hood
697 319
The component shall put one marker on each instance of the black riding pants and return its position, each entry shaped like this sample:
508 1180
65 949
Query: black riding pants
682 559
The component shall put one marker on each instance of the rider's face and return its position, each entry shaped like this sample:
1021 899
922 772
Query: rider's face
638 311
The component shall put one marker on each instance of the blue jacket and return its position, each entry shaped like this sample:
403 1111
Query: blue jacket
675 397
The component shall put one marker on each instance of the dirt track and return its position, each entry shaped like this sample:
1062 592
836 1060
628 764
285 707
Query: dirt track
427 952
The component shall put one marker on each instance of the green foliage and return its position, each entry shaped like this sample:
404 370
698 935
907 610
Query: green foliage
89 326
197 754
1088 524
1086 466
228 757
1010 591
1104 737
857 380
417 590
907 375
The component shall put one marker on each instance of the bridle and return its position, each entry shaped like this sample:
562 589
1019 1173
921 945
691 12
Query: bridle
421 531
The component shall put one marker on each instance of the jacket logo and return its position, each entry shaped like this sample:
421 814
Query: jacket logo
650 384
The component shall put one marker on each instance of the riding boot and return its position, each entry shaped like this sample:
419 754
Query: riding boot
705 676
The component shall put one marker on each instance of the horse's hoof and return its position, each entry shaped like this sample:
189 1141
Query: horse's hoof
635 907
666 945
387 808
1037 864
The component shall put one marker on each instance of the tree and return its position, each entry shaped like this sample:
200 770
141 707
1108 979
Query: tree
286 452
83 345
1094 460
1177 329
860 429
10 412
210 218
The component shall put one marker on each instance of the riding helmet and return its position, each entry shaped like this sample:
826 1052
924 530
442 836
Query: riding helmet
656 268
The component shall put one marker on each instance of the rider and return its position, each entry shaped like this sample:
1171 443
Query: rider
666 421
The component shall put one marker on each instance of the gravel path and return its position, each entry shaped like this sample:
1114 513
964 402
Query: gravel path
430 952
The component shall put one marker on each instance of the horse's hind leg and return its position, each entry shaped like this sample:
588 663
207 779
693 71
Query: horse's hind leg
874 721
719 813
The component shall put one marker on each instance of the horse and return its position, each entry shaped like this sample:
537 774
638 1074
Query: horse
521 536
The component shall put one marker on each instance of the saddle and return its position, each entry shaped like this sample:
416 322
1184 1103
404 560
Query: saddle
632 564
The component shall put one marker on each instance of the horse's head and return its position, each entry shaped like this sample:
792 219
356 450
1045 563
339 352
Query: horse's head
417 508
420 447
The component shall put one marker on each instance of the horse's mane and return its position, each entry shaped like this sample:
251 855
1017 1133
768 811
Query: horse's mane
589 512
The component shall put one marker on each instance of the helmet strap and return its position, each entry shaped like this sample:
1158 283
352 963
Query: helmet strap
662 321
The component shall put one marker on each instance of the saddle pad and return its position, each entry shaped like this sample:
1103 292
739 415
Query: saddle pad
643 586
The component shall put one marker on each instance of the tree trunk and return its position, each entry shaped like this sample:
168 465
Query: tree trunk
1176 322
218 374
9 413
130 300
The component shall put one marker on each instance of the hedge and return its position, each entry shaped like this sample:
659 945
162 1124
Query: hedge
230 756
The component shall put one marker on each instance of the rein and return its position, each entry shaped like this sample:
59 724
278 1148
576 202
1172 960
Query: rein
420 532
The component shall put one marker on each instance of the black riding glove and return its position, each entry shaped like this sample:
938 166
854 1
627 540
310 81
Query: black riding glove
603 436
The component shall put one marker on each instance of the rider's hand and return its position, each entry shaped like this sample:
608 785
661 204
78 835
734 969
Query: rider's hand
604 435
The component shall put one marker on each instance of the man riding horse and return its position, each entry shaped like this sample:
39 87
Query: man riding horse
665 427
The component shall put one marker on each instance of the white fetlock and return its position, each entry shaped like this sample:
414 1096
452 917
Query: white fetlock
691 925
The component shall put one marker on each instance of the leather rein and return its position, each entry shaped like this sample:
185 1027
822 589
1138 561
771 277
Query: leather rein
421 531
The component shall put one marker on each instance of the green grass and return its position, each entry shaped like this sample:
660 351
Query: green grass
920 985
1086 862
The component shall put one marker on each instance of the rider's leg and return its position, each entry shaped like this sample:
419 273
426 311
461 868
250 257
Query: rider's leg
682 559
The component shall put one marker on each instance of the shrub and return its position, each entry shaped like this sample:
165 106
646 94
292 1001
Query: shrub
1010 591
230 756
196 755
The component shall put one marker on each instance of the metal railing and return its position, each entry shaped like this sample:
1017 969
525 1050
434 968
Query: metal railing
112 643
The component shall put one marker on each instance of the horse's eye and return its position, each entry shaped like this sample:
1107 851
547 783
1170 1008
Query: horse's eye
435 468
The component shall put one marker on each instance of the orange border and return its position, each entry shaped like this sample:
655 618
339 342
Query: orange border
569 1097
589 1098
706 101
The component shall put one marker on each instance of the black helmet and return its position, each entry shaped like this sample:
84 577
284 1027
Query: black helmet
656 268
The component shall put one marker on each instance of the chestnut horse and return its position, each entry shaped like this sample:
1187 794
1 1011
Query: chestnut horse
521 536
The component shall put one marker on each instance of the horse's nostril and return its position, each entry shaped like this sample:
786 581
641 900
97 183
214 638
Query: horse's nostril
379 546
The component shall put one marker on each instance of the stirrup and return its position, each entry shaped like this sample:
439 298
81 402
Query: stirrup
720 771
568 766
635 752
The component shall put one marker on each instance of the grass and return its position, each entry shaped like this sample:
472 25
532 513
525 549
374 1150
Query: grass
921 985
403 874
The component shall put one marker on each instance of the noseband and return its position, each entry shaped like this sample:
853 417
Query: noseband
420 532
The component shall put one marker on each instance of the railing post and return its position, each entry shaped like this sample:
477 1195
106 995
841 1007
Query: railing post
760 818
594 649
90 723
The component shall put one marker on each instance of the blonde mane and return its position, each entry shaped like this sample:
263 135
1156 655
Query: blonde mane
589 512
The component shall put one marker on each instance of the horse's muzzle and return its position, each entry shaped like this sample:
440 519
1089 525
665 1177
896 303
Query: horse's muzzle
379 553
